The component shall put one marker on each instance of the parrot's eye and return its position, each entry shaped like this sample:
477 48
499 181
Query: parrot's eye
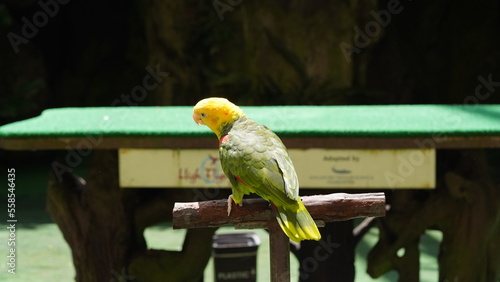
203 115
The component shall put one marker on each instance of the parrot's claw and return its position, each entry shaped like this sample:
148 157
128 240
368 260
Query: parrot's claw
230 201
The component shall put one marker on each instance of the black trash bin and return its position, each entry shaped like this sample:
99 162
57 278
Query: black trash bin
235 256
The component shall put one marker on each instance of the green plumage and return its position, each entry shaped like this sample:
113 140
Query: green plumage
256 161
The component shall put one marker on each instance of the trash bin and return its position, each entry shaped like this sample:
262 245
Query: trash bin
235 256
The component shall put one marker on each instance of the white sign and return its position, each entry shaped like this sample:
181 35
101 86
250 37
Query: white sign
326 168
316 168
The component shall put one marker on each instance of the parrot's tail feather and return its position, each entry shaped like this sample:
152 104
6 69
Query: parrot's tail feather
297 223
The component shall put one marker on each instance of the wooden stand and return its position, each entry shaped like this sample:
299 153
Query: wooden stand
256 213
279 248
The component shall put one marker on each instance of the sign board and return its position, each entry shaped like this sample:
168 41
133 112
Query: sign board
316 168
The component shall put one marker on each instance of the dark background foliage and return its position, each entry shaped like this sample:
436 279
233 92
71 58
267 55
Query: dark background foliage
269 52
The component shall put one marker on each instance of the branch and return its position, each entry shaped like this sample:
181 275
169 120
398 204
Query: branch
257 213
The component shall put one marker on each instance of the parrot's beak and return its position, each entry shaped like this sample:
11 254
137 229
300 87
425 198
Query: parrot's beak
197 119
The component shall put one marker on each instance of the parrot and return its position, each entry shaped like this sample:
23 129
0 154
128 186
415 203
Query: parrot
255 160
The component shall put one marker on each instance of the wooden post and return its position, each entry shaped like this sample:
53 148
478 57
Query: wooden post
256 213
279 253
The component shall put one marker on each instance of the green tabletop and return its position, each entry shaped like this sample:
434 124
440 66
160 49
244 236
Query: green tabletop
388 121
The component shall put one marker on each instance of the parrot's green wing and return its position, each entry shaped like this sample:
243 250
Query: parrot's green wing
256 161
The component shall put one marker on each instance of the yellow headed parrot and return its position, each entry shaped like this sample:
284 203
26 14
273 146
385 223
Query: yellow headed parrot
255 161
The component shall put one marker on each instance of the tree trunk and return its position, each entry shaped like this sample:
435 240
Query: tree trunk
465 207
104 224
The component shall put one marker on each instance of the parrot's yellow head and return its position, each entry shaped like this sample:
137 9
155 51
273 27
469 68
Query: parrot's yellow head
216 113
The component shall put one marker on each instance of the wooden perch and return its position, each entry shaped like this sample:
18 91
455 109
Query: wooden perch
256 212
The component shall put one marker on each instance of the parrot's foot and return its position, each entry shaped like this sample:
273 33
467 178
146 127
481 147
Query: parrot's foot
230 201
